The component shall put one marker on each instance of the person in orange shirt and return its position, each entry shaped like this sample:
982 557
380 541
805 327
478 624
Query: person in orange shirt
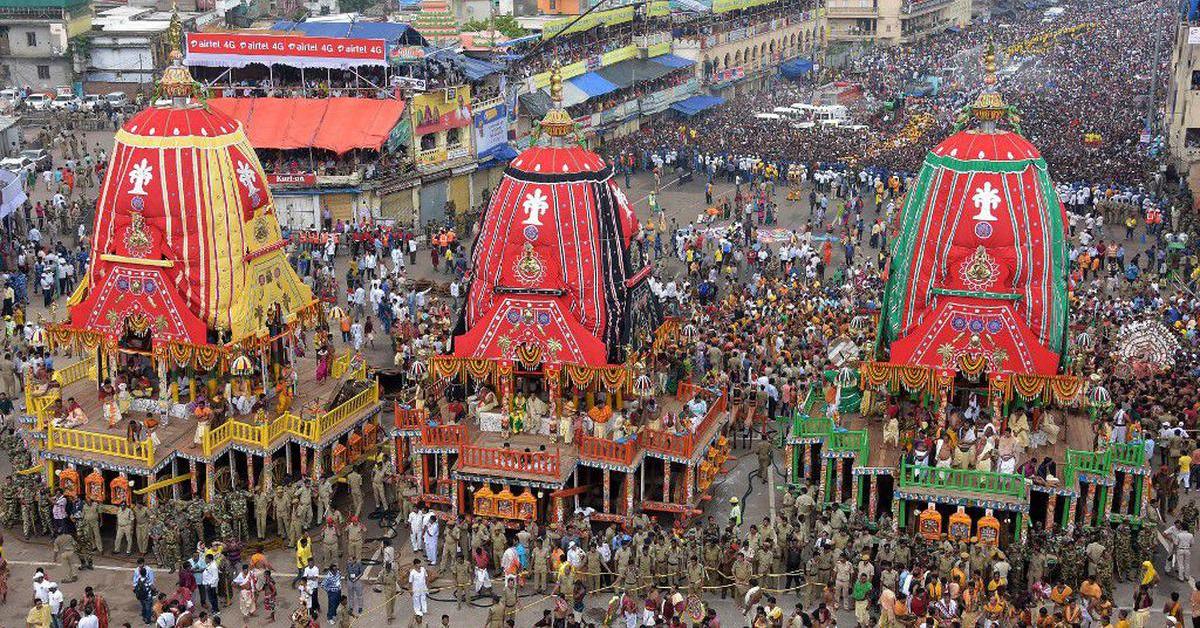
1060 594
1090 589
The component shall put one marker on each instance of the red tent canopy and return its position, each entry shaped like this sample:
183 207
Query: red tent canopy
335 124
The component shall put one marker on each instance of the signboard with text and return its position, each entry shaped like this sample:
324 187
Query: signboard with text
491 130
292 179
237 50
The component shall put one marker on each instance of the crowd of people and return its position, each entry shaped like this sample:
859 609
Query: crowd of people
785 260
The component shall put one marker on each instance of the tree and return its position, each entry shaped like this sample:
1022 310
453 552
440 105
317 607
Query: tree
506 24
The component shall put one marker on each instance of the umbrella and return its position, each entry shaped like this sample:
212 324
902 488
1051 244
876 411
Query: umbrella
242 366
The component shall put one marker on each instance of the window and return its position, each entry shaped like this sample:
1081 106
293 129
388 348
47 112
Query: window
429 141
1191 138
31 39
1195 79
452 137
43 72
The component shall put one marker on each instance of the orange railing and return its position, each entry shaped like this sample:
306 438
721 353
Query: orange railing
444 436
535 462
606 450
686 391
683 445
409 418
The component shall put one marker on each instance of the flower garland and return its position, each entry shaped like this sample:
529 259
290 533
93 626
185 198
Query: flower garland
1064 390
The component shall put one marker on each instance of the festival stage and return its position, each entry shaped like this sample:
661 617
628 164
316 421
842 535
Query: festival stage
332 418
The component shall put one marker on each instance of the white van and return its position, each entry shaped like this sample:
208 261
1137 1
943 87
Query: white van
831 112
38 102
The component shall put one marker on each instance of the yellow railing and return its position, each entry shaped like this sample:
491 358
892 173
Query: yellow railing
334 417
96 443
311 430
75 372
39 407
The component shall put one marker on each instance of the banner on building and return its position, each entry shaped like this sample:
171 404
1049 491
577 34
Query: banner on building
441 109
729 75
238 50
576 24
491 130
721 6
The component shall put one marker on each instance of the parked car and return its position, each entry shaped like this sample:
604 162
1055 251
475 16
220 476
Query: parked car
65 102
40 157
38 102
117 100
16 163
12 97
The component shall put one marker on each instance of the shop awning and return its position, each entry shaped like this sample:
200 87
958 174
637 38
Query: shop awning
503 155
334 124
633 71
673 61
696 104
795 68
592 84
534 104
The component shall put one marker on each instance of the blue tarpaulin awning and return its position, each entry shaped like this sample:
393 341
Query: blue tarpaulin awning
795 68
673 61
474 69
394 33
504 154
592 84
694 105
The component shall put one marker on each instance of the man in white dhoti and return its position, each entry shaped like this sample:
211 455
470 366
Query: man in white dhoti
431 540
416 521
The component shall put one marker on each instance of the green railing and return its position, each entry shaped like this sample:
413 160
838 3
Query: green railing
945 478
856 441
1129 454
811 427
1091 462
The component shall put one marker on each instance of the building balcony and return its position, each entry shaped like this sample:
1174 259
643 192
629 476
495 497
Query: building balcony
851 8
920 7
851 35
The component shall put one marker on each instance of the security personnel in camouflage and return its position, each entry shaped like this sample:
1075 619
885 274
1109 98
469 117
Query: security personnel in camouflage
156 531
28 501
45 508
84 541
195 518
237 515
171 549
12 506
1123 556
